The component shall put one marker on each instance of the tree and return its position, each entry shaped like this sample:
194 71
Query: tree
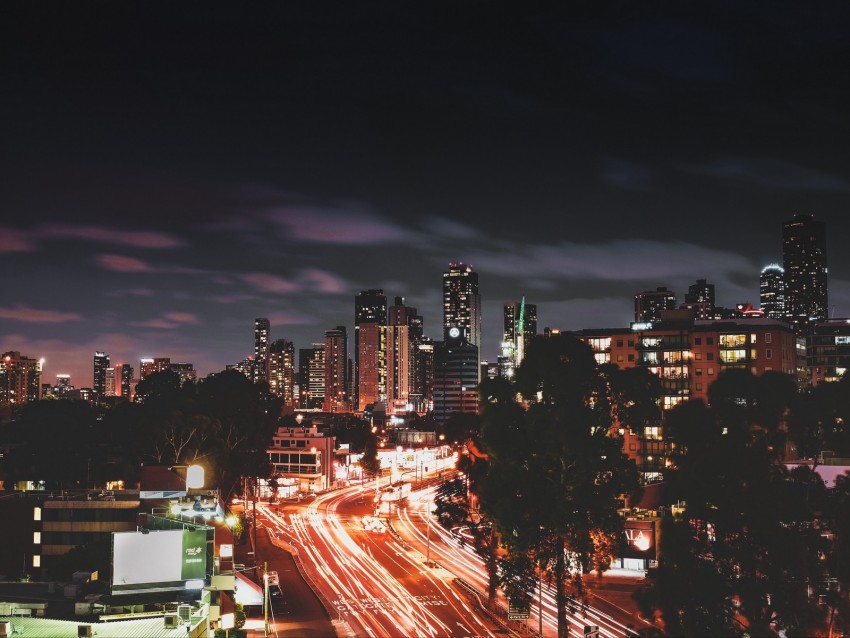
556 476
744 551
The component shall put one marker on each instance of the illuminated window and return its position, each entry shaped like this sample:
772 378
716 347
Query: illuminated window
36 513
36 538
710 372
36 560
698 356
753 338
699 387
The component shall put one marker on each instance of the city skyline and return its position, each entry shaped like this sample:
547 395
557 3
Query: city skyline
172 176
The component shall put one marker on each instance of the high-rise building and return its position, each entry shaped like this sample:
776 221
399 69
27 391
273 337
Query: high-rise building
101 363
20 379
281 371
370 321
404 334
462 302
520 327
336 369
125 373
110 385
312 374
772 292
650 303
456 373
148 366
186 372
700 298
259 370
804 261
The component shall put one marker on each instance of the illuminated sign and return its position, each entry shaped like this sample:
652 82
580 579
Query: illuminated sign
640 539
641 325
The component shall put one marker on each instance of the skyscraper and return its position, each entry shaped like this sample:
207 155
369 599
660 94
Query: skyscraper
461 302
804 260
126 375
772 292
101 363
311 376
20 379
370 321
650 303
259 371
404 332
520 327
456 374
281 371
336 367
700 298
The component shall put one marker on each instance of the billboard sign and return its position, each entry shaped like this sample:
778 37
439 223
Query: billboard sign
153 561
640 540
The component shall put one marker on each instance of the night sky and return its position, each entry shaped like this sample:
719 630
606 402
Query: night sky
170 171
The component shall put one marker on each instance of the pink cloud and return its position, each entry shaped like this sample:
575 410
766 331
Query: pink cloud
138 239
12 240
332 227
181 317
269 283
120 263
33 315
324 281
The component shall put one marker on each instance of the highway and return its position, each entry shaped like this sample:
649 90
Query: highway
375 577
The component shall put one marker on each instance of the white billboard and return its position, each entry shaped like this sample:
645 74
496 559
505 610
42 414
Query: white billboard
157 560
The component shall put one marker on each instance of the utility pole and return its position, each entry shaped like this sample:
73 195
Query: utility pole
265 599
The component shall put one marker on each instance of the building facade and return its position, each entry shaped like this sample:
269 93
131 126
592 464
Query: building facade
649 304
456 373
772 292
101 363
20 379
311 376
804 262
370 321
302 459
336 397
259 371
462 302
280 373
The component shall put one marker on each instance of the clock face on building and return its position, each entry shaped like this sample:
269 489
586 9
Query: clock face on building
454 333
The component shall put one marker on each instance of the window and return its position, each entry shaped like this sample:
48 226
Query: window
36 560
699 387
753 337
710 372
709 356
697 341
709 341
768 354
619 358
36 538
619 343
36 513
768 337
698 356
631 343
631 357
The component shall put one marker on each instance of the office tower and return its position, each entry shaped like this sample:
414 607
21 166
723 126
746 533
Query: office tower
20 379
126 375
520 327
148 366
110 385
423 400
461 302
772 292
650 303
336 369
700 298
370 320
456 372
281 371
311 373
101 363
404 334
259 370
63 386
804 261
186 372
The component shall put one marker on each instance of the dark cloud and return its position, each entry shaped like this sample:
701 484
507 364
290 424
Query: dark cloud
171 174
